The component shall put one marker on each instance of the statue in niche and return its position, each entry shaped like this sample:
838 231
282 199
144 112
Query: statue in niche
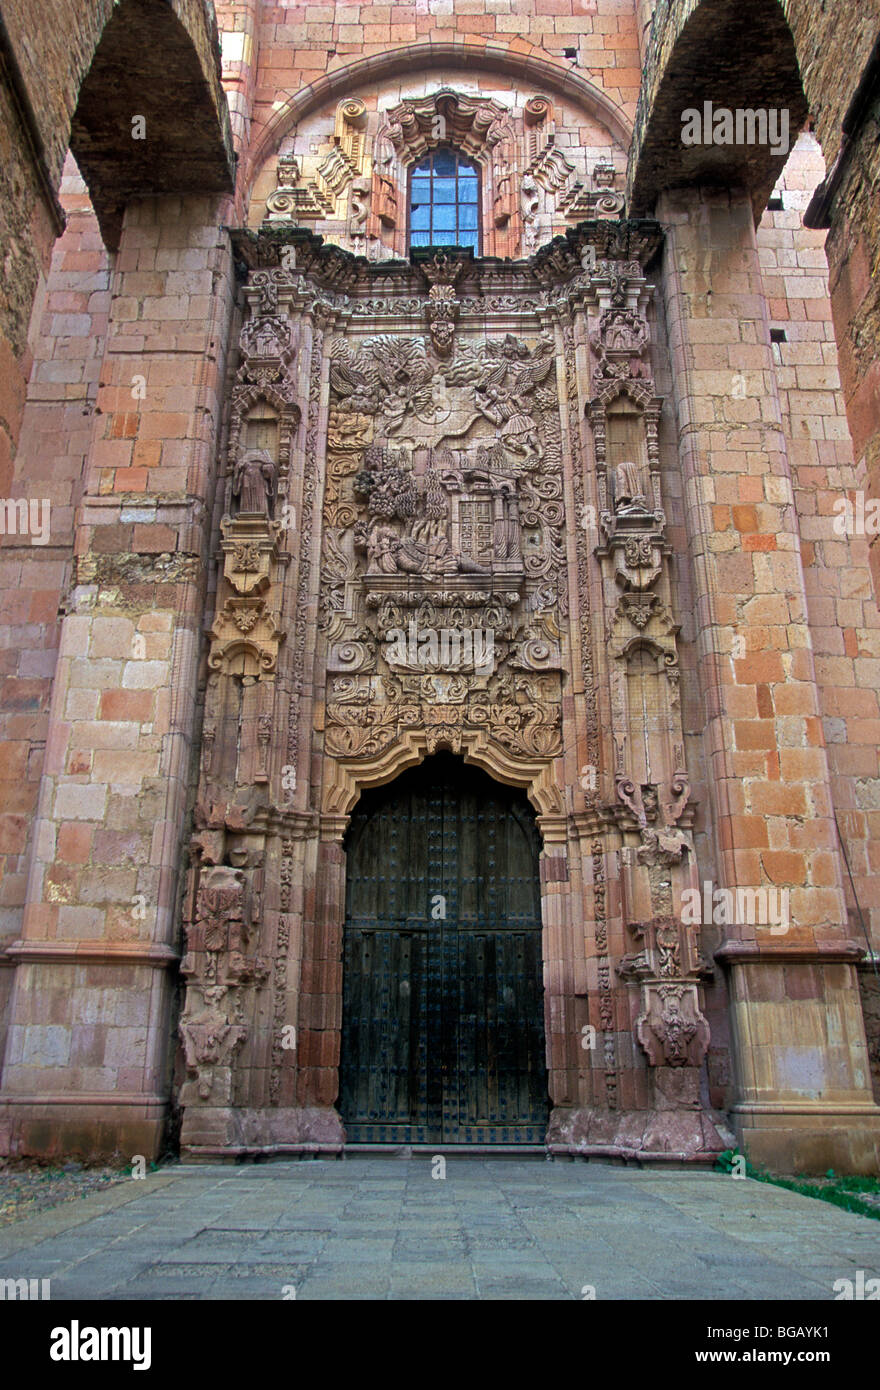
628 494
254 483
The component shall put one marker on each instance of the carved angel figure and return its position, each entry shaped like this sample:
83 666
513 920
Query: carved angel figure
675 1032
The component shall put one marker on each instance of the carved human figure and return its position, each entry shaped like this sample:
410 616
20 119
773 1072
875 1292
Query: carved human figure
253 484
675 1032
519 432
426 550
382 546
623 331
265 339
628 494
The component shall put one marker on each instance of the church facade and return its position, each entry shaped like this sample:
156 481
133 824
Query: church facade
459 715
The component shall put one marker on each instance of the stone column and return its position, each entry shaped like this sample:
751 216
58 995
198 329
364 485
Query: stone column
803 1097
87 1056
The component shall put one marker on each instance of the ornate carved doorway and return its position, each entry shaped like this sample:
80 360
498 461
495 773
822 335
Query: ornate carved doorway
443 1013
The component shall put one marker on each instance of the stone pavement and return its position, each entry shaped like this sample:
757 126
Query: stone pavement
383 1228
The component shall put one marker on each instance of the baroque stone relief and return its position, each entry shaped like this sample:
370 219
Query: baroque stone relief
651 806
227 963
444 590
352 184
551 185
340 167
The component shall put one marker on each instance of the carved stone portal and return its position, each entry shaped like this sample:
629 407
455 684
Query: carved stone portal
394 582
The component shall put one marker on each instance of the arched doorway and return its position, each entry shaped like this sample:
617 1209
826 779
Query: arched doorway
443 1013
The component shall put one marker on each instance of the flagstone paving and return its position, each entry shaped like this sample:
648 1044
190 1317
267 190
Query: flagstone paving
372 1227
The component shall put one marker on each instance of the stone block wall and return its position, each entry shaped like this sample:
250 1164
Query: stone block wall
68 334
101 630
104 870
842 604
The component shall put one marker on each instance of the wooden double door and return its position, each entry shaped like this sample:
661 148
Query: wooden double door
443 1014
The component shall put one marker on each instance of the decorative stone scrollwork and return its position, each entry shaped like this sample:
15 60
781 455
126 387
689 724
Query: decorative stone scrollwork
442 604
297 199
672 1029
210 1043
470 124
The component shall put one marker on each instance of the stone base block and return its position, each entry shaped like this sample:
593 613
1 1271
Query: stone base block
109 1130
643 1136
809 1139
212 1133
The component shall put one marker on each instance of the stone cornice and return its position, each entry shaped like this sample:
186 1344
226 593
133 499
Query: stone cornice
111 953
825 952
344 277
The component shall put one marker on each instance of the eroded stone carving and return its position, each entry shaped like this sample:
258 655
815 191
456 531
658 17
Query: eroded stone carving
441 607
254 483
296 198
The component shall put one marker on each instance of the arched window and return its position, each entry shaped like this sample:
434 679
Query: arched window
444 201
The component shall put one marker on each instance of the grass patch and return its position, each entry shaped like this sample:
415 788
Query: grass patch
860 1195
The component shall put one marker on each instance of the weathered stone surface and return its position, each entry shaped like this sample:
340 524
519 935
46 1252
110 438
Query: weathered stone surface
265 451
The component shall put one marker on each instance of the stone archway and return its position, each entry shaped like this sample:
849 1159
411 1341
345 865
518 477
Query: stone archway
529 63
443 1029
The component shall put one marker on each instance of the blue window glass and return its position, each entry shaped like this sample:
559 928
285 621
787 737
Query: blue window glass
444 162
444 201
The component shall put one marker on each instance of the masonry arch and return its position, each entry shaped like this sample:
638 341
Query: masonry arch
525 62
740 55
151 116
349 778
443 1031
